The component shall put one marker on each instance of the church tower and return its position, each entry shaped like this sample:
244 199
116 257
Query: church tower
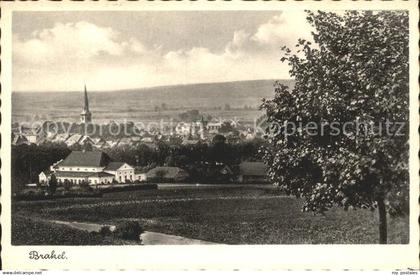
85 115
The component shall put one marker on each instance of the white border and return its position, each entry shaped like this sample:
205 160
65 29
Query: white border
218 257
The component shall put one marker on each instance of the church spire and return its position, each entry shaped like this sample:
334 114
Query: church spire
86 108
85 115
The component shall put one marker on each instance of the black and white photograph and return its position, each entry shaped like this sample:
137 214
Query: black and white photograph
137 128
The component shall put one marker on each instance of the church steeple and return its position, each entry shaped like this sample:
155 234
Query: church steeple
85 115
86 108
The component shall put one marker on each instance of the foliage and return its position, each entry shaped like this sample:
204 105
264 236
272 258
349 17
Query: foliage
128 230
357 71
52 184
193 116
160 174
105 231
84 185
30 160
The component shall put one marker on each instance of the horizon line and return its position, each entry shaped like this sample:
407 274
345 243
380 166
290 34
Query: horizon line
147 87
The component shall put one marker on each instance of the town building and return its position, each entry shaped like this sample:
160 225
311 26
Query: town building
44 177
253 172
94 167
214 126
167 173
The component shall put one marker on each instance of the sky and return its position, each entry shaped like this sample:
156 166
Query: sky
61 51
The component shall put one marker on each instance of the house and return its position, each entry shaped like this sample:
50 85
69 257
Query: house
167 173
253 172
60 138
187 141
147 140
98 143
213 127
110 143
73 139
183 129
34 135
216 172
94 167
122 171
19 139
124 141
85 140
44 177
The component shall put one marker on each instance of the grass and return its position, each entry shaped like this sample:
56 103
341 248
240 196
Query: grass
27 231
231 216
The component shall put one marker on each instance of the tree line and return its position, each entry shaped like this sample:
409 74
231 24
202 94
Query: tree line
29 160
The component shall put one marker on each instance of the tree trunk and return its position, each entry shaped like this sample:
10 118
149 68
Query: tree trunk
382 222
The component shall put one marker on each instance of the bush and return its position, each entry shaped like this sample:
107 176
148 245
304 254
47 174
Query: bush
105 231
84 185
128 230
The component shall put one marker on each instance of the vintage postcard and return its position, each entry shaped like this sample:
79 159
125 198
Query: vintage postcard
193 135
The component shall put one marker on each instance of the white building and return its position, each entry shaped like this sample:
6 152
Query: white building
214 127
94 167
122 171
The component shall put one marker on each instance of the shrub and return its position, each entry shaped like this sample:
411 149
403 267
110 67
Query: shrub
84 185
105 230
128 230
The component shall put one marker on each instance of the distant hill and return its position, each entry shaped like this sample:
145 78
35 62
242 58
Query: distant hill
143 103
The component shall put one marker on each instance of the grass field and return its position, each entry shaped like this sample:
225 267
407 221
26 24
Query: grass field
222 215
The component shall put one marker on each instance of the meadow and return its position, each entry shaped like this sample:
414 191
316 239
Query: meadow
222 215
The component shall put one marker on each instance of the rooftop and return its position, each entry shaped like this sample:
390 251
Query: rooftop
250 168
113 166
86 158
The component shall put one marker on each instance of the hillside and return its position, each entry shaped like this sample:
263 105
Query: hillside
141 104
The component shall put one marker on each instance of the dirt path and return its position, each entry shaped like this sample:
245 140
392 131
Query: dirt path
148 238
154 238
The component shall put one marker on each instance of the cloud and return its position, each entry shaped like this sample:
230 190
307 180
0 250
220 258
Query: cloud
283 29
68 54
73 41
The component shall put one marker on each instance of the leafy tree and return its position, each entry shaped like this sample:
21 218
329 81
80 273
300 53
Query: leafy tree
52 184
67 185
160 175
226 127
219 139
170 161
357 72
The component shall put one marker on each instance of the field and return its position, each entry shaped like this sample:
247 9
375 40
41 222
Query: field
223 215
